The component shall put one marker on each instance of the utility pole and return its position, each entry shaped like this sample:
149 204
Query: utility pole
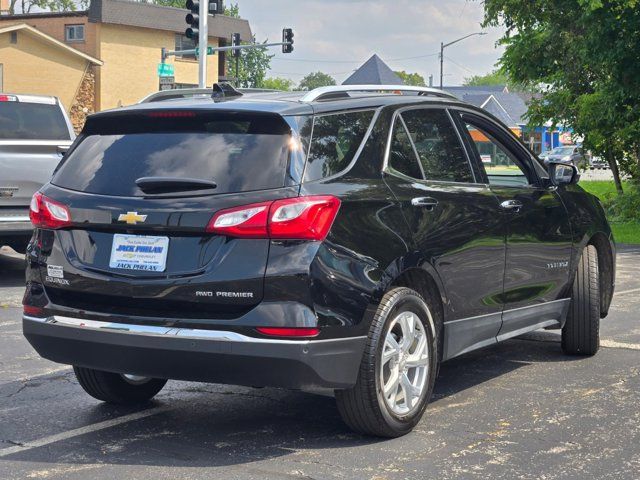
445 45
203 41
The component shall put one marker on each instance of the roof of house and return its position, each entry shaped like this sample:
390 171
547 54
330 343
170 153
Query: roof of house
510 107
148 15
374 72
34 32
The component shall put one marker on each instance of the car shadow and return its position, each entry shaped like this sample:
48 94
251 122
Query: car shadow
12 267
205 425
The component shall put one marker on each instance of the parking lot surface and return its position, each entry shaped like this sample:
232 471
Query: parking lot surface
520 409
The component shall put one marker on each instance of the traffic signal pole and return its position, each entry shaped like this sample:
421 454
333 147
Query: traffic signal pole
203 39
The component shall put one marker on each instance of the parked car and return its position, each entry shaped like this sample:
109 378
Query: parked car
343 238
598 163
34 133
567 153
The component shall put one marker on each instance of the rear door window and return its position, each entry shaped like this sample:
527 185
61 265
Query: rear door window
239 152
438 146
335 141
32 121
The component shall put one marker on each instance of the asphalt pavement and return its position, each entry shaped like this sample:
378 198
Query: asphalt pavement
520 409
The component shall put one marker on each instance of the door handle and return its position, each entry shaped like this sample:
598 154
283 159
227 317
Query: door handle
511 205
428 202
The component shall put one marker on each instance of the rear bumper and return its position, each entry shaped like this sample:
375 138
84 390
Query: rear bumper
196 355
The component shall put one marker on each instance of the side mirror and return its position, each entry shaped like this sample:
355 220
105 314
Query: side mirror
563 173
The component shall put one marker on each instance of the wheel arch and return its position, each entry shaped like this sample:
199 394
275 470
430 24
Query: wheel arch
427 286
606 269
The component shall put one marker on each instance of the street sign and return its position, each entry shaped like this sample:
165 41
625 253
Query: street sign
167 83
210 51
165 70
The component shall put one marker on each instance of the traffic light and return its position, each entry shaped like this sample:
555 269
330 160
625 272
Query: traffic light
287 37
216 7
235 41
193 20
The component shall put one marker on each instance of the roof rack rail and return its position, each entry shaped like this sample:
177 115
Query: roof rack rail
341 91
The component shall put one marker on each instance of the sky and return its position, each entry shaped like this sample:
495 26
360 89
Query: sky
337 36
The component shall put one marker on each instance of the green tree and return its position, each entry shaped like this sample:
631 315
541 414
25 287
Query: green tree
26 6
316 80
495 77
278 83
254 63
412 79
585 53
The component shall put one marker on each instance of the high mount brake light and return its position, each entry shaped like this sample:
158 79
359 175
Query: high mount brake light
172 114
299 218
47 213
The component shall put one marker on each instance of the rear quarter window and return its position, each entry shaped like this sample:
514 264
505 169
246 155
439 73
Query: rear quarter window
335 141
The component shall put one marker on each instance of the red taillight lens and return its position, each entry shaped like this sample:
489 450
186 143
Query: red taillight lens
8 98
47 213
248 221
288 332
304 218
33 311
300 218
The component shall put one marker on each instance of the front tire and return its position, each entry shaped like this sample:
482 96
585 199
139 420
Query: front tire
581 331
398 368
118 389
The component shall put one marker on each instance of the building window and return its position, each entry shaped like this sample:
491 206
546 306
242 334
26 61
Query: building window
14 37
74 33
184 43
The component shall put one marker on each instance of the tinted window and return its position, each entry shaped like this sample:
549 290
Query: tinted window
237 153
402 157
335 141
497 161
32 121
438 146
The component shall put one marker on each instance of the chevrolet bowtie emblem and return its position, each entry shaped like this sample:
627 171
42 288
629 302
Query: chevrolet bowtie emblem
131 218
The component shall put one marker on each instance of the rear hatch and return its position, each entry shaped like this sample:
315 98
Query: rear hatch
34 133
141 189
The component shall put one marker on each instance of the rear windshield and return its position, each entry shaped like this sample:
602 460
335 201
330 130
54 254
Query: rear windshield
238 152
32 121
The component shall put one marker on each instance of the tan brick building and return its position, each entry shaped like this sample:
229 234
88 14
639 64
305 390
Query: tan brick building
103 57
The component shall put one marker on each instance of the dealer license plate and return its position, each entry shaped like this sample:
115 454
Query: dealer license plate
138 252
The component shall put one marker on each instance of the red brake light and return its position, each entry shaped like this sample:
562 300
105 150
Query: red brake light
47 213
300 218
249 221
33 311
288 332
172 114
8 98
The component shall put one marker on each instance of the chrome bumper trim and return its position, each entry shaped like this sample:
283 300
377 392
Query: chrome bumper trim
15 218
150 330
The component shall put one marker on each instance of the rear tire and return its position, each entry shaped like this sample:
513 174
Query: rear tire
581 332
394 363
117 389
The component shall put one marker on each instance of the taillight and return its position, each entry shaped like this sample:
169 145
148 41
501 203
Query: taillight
300 218
288 332
249 221
8 98
47 213
33 311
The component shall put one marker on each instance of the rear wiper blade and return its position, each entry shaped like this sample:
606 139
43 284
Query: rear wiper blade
173 184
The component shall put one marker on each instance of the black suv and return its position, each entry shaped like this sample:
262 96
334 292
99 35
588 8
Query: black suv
344 238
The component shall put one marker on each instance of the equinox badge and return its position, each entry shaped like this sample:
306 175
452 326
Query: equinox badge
131 218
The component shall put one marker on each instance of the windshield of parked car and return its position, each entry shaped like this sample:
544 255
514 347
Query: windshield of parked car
562 151
32 121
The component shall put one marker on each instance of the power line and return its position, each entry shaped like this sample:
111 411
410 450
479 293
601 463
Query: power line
459 65
308 60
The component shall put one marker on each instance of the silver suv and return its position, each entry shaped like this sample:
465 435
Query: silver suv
35 131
